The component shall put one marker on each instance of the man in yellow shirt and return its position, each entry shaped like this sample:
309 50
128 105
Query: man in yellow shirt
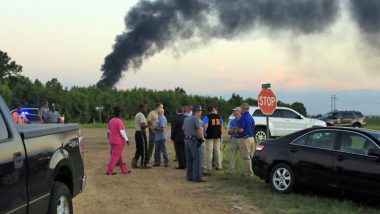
152 121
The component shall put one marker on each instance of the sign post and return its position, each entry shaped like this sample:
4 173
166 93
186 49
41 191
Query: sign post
267 102
99 109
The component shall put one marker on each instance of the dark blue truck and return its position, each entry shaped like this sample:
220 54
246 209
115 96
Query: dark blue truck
41 166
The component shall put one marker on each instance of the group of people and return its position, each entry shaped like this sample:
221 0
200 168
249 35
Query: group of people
197 142
46 114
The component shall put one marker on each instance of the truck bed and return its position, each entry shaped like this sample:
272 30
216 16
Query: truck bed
37 130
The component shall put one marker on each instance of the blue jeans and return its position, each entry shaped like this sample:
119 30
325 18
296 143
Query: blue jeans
193 160
160 147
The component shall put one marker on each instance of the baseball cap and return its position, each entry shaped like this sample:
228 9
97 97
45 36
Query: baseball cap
236 109
197 107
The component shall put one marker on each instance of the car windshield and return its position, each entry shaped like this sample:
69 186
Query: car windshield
375 134
327 115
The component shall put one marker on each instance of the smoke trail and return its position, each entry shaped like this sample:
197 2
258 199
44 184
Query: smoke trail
153 26
366 13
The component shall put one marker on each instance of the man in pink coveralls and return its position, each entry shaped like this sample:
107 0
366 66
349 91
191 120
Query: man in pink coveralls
117 138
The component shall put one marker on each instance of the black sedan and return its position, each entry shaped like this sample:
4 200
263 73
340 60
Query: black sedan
345 159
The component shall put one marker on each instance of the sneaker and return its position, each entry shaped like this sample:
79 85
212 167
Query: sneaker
113 173
145 167
155 165
200 181
127 172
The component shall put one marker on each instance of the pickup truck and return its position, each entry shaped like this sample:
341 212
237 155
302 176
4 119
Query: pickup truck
41 166
283 121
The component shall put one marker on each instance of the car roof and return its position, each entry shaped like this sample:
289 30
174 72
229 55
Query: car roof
367 132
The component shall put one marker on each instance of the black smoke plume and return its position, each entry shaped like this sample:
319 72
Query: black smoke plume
152 26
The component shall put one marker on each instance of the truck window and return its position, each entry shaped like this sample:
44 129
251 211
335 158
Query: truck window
3 129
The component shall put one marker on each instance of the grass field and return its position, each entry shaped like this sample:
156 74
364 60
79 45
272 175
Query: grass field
372 123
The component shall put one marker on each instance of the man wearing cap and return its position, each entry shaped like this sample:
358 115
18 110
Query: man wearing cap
194 138
246 126
236 143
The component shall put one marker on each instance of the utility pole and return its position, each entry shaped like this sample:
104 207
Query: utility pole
99 109
333 102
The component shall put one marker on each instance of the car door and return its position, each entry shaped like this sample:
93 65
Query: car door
312 157
13 195
355 169
347 118
277 123
292 121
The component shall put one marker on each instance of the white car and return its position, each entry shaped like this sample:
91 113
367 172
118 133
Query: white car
283 121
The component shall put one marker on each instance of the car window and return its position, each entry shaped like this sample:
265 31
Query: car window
3 129
258 113
277 113
355 143
290 114
300 141
347 115
375 134
322 139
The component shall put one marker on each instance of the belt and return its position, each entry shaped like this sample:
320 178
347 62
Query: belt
191 137
245 137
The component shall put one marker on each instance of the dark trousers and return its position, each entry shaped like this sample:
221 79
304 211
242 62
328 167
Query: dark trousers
141 147
179 147
193 160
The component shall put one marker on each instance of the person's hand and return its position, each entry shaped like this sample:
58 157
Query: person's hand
127 142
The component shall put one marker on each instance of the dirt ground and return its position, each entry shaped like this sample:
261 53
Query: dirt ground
156 190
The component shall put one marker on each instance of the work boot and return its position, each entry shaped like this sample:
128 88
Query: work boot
134 163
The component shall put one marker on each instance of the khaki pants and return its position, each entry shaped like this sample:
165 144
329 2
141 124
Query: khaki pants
248 148
212 150
235 146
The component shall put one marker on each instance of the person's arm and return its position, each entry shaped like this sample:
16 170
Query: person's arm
173 125
124 135
143 123
201 133
241 124
205 122
221 125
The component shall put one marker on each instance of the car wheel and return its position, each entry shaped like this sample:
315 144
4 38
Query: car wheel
260 134
60 199
357 125
282 178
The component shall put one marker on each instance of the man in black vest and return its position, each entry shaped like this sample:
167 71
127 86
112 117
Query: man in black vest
178 137
213 125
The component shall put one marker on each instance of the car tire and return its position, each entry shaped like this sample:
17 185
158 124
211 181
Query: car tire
282 178
260 134
60 199
357 125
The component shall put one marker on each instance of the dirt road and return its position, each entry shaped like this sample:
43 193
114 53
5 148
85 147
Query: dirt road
156 190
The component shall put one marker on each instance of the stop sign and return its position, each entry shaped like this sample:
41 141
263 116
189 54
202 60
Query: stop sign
267 101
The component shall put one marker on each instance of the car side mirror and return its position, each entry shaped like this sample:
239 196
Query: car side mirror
299 117
374 152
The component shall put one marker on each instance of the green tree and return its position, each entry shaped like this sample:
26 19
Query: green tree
7 67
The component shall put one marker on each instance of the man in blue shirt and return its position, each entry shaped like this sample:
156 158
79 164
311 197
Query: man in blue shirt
246 130
236 143
160 139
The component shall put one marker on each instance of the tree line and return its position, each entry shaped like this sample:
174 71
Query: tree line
78 103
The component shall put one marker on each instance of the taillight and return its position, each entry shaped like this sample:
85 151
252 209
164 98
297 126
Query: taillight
260 147
81 143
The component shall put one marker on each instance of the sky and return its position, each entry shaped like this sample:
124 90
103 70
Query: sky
69 40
